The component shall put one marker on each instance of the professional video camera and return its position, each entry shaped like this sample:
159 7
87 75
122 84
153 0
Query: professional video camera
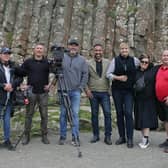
57 59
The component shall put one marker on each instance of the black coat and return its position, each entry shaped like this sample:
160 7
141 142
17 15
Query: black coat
145 110
14 80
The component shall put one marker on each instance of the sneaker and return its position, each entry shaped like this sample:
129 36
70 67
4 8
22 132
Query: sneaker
144 144
75 143
61 141
164 144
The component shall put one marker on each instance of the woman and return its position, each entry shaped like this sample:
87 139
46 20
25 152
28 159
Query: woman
145 102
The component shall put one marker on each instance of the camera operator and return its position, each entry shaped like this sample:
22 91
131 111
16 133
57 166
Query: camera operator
75 71
37 71
8 83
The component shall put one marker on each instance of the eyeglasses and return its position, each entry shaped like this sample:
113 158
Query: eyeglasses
144 62
98 50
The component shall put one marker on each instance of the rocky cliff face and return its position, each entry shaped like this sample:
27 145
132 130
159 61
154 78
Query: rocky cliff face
143 23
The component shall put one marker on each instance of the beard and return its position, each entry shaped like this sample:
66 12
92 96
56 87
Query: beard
98 56
73 52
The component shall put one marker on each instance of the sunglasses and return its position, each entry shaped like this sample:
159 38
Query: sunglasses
144 62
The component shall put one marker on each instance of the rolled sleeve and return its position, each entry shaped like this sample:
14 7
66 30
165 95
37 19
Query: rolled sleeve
110 70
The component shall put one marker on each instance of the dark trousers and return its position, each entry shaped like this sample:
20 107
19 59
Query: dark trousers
103 99
42 101
123 101
162 111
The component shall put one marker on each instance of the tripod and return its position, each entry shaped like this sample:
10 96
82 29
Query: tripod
19 139
26 102
64 98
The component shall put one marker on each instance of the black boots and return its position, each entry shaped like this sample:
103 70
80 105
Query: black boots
7 144
120 141
94 139
45 139
26 139
107 140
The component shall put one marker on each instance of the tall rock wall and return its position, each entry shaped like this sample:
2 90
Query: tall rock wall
142 23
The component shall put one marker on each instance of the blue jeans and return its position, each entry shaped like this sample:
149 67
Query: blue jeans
123 101
5 114
74 97
103 99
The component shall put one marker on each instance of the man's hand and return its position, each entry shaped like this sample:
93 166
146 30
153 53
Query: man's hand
8 87
166 100
89 94
47 87
122 78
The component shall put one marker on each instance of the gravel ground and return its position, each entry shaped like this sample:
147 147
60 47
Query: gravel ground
98 155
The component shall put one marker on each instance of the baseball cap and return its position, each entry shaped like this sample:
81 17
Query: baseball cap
5 50
73 41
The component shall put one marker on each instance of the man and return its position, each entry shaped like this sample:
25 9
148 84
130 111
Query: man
161 87
122 71
75 73
8 83
97 92
37 71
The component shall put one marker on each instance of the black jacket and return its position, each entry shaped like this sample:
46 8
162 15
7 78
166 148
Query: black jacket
37 72
14 80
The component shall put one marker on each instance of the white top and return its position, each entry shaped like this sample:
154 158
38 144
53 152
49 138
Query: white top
7 75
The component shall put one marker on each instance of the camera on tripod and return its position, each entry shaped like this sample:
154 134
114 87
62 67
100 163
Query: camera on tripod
57 59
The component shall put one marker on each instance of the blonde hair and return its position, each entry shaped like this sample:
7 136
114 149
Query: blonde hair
123 44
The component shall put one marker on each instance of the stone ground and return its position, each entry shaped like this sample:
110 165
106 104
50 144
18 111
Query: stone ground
98 155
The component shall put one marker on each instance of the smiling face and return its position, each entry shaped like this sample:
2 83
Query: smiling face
124 49
144 63
164 58
98 52
73 49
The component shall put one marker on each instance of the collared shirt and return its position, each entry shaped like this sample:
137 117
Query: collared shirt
161 86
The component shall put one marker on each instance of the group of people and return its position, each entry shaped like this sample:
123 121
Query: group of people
98 78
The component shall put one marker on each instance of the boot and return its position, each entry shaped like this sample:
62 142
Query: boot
26 139
45 139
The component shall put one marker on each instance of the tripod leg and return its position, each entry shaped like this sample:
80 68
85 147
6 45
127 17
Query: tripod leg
18 141
77 144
